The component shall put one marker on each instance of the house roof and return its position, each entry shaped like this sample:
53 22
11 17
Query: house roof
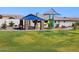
71 19
46 17
32 17
11 15
66 19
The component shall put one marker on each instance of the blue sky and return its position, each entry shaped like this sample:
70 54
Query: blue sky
64 11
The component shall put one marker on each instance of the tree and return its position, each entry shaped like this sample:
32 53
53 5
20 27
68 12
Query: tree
11 24
75 25
4 25
0 16
11 18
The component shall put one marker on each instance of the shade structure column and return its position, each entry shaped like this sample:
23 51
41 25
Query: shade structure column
41 24
26 24
29 23
21 24
36 24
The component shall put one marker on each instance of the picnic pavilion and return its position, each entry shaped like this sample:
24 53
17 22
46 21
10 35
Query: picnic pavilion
26 21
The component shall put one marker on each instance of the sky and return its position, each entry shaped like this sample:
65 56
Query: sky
64 11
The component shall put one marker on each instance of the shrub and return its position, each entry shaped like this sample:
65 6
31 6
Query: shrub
4 25
11 24
75 25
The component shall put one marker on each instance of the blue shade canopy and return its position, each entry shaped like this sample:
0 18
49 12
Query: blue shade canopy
31 17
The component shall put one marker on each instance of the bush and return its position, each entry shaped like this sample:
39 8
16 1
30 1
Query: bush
4 25
11 24
75 25
57 25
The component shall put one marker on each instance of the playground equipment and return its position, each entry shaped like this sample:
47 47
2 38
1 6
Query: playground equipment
51 13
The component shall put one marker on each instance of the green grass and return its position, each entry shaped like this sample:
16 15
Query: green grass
39 41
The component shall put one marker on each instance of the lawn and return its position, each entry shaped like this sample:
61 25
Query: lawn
39 41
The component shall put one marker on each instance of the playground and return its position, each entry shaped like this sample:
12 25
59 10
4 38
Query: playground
47 20
30 22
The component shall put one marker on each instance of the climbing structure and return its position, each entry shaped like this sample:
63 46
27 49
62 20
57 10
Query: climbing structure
51 13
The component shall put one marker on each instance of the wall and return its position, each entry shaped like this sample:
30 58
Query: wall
16 21
66 23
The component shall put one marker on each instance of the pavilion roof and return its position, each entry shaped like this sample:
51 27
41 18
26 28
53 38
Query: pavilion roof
32 17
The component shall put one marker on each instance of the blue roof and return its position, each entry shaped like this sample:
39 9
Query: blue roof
32 17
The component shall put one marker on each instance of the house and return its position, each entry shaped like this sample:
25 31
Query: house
61 21
65 21
9 18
